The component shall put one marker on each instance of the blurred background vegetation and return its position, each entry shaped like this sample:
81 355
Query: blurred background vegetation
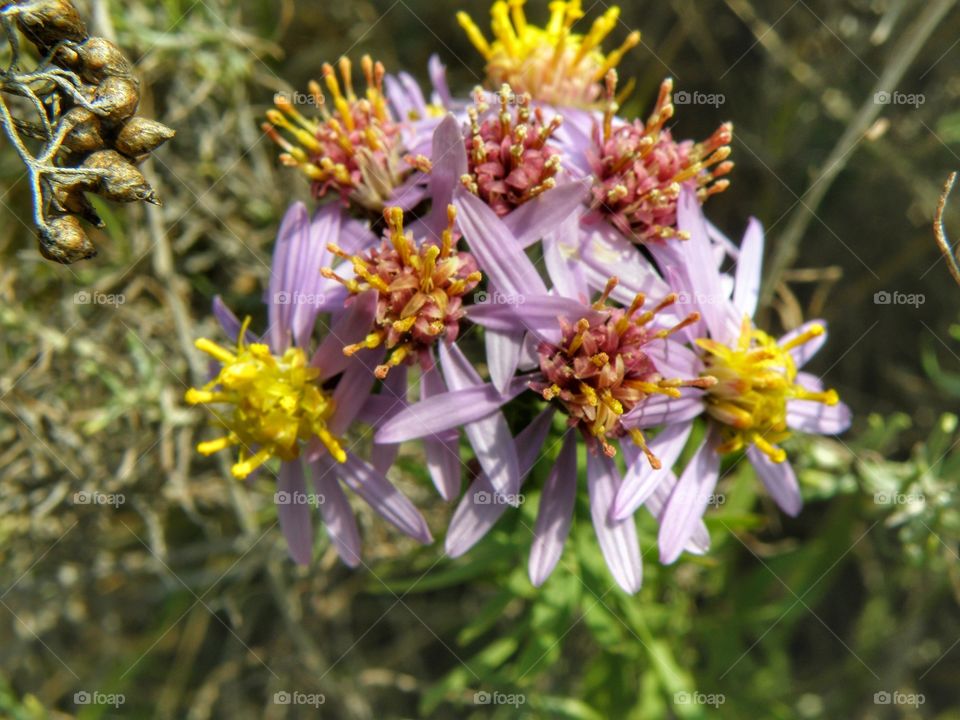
183 600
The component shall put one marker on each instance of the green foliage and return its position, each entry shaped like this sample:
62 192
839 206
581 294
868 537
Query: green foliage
756 613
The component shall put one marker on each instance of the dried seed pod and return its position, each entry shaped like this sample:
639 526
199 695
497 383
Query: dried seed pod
66 57
98 58
63 240
122 181
84 137
141 136
47 22
116 98
74 201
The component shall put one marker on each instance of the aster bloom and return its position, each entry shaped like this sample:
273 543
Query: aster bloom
639 169
280 403
419 289
607 369
355 148
553 63
760 397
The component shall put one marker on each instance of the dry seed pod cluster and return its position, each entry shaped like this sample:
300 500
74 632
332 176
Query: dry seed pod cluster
83 98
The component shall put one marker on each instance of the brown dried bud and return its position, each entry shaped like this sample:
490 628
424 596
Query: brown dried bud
67 57
117 98
84 137
63 240
47 22
141 136
74 201
99 58
122 181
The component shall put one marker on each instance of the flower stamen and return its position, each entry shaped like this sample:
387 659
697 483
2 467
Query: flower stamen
640 169
600 371
420 290
276 403
355 149
756 378
553 63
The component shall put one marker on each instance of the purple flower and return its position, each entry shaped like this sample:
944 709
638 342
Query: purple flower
419 287
760 397
600 365
280 404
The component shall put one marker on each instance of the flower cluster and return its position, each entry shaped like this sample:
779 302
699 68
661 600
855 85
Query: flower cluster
634 326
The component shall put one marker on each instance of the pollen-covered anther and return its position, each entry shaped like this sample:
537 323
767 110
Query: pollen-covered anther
509 158
552 63
420 289
275 404
601 371
354 148
754 381
640 169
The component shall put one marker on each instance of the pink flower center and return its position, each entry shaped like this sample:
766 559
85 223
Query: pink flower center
640 168
600 370
420 290
354 148
508 159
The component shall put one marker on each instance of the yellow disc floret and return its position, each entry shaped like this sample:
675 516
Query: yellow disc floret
755 380
276 404
552 63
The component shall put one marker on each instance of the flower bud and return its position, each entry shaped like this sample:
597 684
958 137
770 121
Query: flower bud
63 240
117 98
141 136
74 201
47 22
84 137
99 58
122 181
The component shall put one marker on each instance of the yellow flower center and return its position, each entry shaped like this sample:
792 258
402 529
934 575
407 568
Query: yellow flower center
755 380
553 64
275 404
